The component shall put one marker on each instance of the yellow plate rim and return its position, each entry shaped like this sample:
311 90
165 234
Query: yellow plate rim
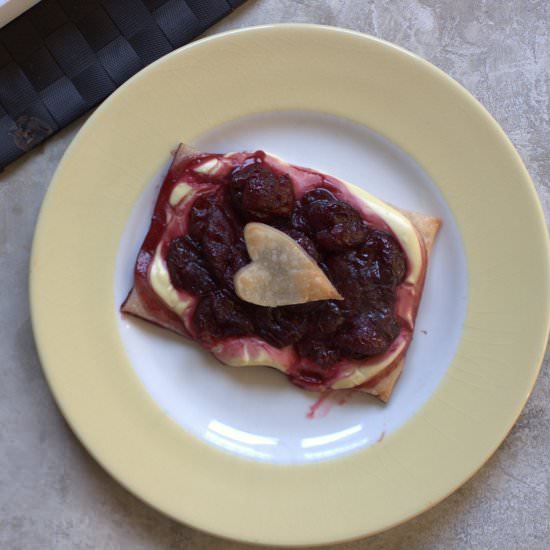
395 93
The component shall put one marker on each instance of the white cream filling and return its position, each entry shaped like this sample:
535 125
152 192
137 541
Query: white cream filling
210 167
181 191
159 278
361 374
250 355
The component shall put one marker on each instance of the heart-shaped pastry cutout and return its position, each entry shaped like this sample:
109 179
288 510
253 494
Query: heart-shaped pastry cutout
281 272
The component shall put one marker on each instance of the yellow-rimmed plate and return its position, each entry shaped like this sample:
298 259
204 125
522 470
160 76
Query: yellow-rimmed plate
293 83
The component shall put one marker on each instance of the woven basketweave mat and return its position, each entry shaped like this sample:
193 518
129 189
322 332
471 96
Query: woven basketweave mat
62 57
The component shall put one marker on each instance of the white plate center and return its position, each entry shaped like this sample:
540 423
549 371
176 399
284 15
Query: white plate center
254 412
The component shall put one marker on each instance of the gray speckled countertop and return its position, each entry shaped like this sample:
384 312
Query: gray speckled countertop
52 493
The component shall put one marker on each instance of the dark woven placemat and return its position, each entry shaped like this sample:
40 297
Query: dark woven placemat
62 57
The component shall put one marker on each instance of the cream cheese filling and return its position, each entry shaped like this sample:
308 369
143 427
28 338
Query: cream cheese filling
159 278
210 167
360 375
252 352
180 191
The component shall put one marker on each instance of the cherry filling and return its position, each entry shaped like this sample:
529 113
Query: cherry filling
365 264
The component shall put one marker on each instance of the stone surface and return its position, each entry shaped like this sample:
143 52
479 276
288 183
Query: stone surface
53 494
